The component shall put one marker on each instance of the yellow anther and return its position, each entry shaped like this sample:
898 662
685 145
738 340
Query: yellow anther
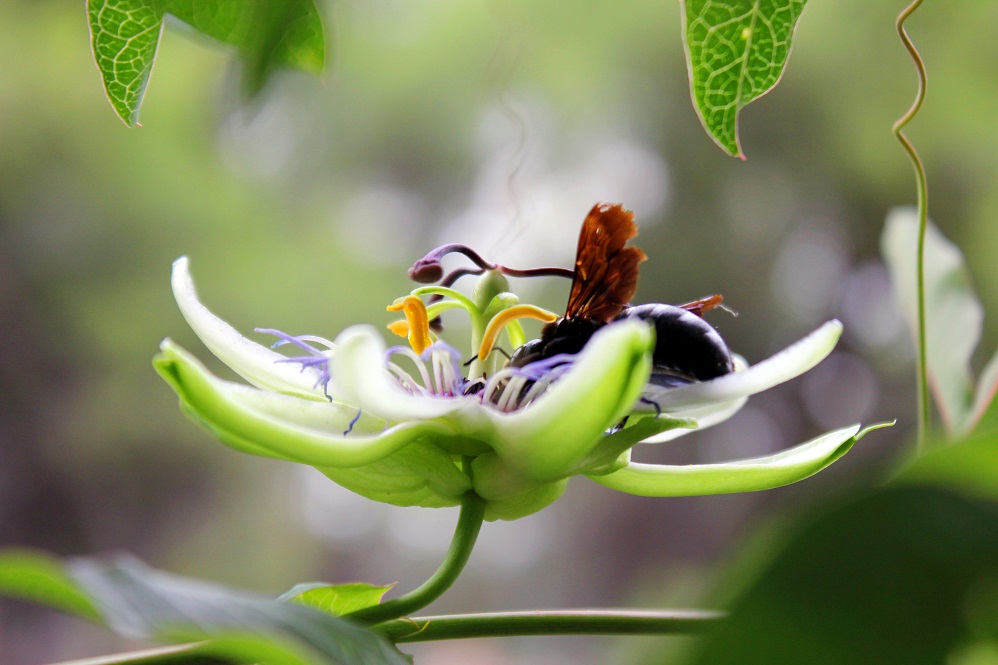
417 322
500 320
400 327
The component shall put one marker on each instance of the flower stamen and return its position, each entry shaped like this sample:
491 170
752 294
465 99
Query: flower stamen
500 320
513 388
443 377
403 376
418 322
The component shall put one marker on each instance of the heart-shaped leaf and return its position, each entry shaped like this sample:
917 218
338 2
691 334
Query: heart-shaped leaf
736 51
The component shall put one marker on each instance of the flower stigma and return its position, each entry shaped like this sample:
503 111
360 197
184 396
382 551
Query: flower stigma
500 320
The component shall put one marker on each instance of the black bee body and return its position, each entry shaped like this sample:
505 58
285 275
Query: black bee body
566 335
687 348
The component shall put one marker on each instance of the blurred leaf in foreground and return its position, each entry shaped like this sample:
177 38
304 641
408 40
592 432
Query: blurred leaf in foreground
954 317
736 51
142 603
907 575
41 578
268 33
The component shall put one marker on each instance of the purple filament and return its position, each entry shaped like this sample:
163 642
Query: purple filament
353 422
316 358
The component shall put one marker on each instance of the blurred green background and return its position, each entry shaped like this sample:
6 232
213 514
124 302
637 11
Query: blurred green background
498 124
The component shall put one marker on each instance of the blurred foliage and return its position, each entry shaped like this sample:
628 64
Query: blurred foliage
498 124
141 602
905 574
954 319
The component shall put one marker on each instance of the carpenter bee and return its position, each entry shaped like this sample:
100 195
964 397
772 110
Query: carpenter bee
687 348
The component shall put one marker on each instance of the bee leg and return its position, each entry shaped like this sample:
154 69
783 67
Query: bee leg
619 426
494 349
658 409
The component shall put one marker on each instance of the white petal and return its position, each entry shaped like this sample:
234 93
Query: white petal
254 362
706 417
361 377
789 363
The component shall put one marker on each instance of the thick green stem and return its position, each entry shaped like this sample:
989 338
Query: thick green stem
924 420
461 626
469 523
564 622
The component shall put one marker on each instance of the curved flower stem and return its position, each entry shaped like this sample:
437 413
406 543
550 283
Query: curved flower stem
923 215
549 622
469 523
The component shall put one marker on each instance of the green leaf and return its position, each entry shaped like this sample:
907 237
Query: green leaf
906 574
969 467
954 318
140 602
41 578
268 33
736 51
902 576
124 35
338 599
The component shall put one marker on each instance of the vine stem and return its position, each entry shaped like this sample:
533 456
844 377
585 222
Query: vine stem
469 523
462 626
924 422
549 622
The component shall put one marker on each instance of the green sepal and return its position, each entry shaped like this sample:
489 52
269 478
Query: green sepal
224 409
420 474
610 454
749 475
396 466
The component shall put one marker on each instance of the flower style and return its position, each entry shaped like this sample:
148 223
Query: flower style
406 426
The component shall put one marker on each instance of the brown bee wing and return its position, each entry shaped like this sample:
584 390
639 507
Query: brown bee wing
704 305
606 272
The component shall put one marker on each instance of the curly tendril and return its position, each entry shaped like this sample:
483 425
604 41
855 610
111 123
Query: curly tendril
924 422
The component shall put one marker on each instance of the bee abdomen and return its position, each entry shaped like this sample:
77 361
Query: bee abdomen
686 347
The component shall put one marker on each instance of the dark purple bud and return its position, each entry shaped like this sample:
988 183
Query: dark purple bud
426 273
